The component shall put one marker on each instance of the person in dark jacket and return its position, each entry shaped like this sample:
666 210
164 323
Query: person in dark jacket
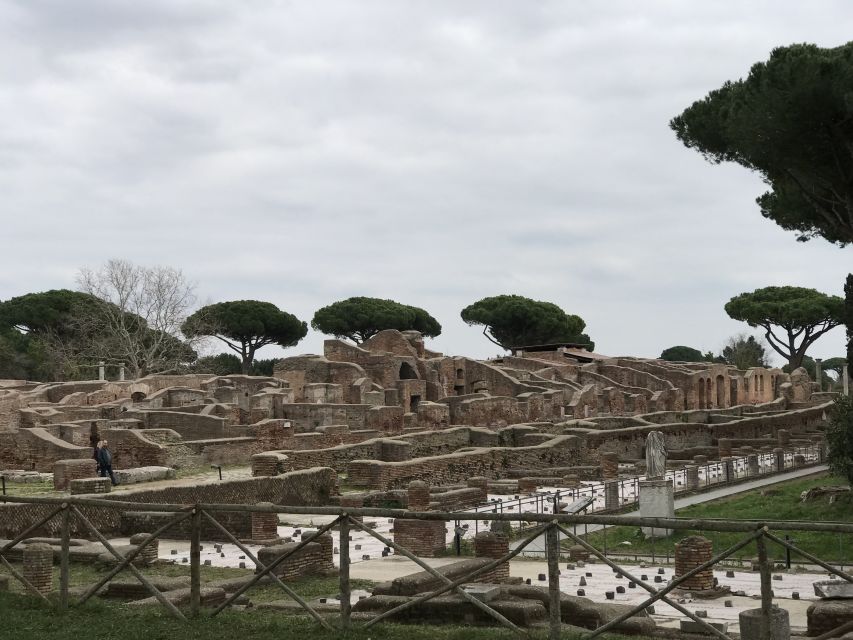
105 462
94 439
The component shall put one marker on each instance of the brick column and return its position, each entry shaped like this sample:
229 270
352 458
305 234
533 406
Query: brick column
692 473
418 496
783 436
264 524
481 483
425 538
571 481
527 485
609 465
38 566
611 494
728 469
725 447
689 554
353 501
779 461
490 545
150 553
752 464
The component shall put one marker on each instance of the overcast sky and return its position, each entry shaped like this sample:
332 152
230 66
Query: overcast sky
430 152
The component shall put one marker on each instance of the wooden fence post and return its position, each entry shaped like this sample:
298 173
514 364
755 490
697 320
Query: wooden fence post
64 556
552 547
195 562
343 555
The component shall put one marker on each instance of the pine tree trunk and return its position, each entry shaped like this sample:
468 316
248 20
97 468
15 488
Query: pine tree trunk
848 320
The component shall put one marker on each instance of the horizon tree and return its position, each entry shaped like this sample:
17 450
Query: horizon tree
804 315
791 121
360 318
246 326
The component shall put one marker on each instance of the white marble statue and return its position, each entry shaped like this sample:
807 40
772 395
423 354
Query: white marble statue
655 455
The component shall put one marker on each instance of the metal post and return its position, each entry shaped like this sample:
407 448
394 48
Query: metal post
788 552
195 562
346 605
64 556
552 546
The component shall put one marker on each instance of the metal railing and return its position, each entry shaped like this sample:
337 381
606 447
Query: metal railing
551 526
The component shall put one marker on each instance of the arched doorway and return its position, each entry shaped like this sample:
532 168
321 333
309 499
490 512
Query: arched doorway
701 389
407 372
721 392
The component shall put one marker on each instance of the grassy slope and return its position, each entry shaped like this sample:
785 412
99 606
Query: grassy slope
25 618
783 503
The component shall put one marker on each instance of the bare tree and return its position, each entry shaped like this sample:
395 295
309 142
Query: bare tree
140 324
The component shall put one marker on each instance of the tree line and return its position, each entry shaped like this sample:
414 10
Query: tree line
142 318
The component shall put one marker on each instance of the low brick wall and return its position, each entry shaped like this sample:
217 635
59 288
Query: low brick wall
314 559
458 467
310 487
64 471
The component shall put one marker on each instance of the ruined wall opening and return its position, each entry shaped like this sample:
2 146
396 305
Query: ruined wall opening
407 372
732 392
708 395
137 396
700 387
414 401
721 392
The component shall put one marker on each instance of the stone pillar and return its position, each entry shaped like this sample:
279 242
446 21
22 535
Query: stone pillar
656 501
121 371
752 464
754 627
101 370
527 485
490 545
264 524
845 380
418 496
38 566
728 464
609 465
353 501
689 554
481 483
725 447
778 459
151 551
783 436
611 495
799 460
692 473
817 373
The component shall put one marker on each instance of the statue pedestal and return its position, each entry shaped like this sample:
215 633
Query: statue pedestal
657 500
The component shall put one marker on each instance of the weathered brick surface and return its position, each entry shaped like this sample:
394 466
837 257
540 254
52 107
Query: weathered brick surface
689 554
310 487
38 566
315 558
424 538
84 486
64 471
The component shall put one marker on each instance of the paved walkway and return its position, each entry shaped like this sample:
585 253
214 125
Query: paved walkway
538 545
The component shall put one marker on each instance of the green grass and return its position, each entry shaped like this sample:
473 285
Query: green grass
781 503
25 618
27 489
86 574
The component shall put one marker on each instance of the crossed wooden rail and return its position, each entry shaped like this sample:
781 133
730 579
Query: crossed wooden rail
551 526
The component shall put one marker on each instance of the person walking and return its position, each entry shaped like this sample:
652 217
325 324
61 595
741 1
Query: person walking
105 462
